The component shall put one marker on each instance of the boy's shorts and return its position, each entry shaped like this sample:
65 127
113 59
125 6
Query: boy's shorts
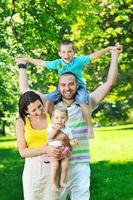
82 96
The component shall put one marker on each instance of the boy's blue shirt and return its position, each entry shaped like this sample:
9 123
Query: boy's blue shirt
75 67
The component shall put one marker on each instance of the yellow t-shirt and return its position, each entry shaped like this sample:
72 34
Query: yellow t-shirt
35 137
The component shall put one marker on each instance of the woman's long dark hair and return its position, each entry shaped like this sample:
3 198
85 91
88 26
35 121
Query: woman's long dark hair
24 102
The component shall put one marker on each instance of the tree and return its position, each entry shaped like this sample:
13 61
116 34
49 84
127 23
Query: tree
35 27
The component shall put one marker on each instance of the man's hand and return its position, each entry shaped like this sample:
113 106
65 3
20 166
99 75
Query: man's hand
117 48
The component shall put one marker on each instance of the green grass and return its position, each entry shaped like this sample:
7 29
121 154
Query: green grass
10 170
111 165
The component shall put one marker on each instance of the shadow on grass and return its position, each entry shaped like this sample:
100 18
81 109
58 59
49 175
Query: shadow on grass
111 181
116 129
11 166
7 139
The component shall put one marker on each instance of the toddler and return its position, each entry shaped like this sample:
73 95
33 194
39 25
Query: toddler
60 137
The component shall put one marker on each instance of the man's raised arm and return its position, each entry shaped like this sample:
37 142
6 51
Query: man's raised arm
99 93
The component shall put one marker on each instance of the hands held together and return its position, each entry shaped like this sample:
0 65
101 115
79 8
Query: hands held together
117 48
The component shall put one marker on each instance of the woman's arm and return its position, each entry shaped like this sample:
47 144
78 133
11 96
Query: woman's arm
33 61
31 152
23 81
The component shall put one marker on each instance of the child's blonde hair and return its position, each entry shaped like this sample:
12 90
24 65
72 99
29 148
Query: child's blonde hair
61 109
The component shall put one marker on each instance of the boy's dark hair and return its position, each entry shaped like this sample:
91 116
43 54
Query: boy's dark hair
67 42
25 100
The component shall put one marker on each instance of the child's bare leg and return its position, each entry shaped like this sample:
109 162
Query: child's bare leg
49 106
64 167
87 117
53 174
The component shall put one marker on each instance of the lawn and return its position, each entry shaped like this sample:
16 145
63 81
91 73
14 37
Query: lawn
111 165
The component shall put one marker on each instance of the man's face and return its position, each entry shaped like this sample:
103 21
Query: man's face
68 86
66 52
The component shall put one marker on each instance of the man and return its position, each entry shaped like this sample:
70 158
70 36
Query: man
79 171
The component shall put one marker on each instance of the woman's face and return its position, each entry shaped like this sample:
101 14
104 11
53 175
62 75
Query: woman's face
35 109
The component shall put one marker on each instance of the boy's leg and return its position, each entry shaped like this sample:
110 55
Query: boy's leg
64 167
53 174
51 98
82 98
87 117
49 106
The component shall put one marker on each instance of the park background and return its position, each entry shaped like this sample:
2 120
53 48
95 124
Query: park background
34 28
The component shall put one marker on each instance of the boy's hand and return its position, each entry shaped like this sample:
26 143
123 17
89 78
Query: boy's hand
90 133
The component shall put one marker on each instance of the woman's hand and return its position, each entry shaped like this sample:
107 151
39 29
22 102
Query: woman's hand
21 60
52 151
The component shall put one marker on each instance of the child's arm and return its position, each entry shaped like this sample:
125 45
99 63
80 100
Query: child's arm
53 131
38 62
100 53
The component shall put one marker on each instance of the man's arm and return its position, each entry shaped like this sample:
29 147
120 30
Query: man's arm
37 62
99 93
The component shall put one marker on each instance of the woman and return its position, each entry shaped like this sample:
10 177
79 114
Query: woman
32 139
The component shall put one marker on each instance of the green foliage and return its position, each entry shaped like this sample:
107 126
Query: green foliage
34 28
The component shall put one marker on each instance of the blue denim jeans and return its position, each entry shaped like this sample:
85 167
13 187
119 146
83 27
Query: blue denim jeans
82 96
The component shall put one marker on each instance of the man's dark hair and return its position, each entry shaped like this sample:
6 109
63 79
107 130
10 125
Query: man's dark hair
67 42
70 73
